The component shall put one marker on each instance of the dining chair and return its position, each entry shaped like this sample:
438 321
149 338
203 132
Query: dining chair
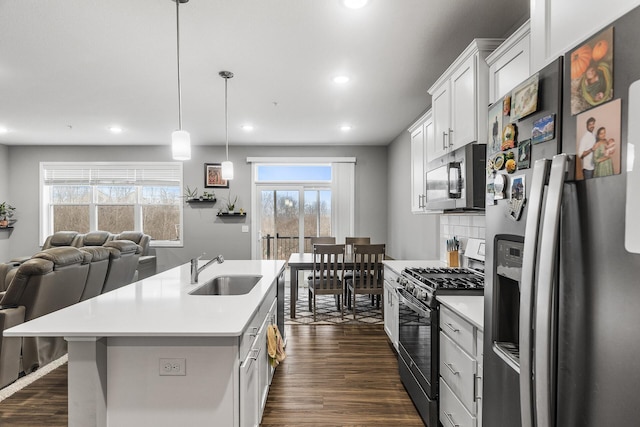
329 274
349 243
324 240
368 274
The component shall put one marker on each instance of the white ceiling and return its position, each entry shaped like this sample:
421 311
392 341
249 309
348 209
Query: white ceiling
71 68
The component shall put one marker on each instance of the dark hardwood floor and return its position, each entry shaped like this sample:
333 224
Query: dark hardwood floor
333 376
338 376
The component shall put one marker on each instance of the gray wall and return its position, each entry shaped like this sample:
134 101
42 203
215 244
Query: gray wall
4 197
203 231
409 236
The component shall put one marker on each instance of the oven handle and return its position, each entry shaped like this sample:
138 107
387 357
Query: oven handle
412 306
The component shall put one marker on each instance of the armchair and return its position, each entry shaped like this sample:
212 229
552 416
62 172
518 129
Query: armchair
50 280
123 260
146 262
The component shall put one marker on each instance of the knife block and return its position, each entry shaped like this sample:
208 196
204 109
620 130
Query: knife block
453 260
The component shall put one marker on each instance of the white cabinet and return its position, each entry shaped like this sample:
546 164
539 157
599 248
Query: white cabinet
255 370
460 99
441 107
391 306
509 64
249 390
479 376
553 33
460 371
421 137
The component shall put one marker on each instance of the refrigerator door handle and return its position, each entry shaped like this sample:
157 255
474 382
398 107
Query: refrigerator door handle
529 260
545 301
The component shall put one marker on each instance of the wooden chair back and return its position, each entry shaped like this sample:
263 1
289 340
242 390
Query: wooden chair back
324 240
327 263
351 241
368 268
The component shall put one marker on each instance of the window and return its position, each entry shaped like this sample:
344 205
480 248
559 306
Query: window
114 197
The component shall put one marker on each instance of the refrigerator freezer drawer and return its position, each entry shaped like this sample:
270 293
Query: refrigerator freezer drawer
458 369
457 329
452 412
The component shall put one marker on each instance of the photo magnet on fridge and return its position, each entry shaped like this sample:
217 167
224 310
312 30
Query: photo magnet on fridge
543 129
524 154
592 72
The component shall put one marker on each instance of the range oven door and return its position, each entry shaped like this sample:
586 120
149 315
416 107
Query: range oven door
418 341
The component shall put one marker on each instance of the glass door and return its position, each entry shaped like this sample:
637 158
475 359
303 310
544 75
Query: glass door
279 222
288 217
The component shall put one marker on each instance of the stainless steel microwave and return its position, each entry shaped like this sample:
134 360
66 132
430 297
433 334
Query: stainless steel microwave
457 180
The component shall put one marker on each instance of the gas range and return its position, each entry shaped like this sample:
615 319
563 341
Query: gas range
424 284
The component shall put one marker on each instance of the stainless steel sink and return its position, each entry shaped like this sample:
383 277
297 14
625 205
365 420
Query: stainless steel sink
227 285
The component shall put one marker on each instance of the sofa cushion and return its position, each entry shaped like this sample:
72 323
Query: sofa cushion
64 256
63 238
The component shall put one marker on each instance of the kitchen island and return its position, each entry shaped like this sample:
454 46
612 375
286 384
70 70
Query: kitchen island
152 354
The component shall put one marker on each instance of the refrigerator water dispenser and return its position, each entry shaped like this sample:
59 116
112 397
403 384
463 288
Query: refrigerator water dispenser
507 274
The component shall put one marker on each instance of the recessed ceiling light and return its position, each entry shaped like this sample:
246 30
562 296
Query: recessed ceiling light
3 129
345 128
115 129
355 4
247 128
341 79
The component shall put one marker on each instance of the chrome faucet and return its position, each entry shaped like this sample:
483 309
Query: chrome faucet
195 271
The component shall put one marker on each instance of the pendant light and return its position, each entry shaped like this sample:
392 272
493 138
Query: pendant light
180 139
227 166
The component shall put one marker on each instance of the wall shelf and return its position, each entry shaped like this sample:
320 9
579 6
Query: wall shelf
6 229
197 201
232 215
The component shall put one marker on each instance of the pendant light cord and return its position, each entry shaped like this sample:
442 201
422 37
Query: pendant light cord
226 116
178 57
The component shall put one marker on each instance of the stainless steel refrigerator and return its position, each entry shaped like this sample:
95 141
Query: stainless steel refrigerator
562 289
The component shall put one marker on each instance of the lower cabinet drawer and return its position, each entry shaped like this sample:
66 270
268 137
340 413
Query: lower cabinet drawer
452 411
458 369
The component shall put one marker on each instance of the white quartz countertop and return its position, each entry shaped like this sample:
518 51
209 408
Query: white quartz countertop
161 306
469 307
400 265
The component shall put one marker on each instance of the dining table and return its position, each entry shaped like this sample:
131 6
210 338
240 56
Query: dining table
304 261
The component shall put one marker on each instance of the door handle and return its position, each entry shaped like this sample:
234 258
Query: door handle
450 419
450 366
527 291
477 385
452 327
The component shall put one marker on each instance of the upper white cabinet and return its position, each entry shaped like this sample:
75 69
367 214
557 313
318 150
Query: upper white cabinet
509 64
421 137
460 99
559 25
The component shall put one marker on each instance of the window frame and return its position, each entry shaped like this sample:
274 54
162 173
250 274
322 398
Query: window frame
173 169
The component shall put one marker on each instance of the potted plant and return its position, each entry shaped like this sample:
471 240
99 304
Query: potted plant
6 212
190 194
231 204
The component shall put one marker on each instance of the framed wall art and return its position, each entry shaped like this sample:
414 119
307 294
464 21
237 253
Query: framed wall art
213 176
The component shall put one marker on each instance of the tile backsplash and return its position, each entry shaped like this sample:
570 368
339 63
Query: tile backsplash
463 226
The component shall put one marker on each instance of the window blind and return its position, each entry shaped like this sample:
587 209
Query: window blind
160 173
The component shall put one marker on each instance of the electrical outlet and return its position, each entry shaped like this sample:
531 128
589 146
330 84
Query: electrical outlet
173 367
245 228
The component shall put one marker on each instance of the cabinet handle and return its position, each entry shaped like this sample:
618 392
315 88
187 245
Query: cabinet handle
477 386
450 366
254 354
450 419
452 328
444 144
450 132
254 333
